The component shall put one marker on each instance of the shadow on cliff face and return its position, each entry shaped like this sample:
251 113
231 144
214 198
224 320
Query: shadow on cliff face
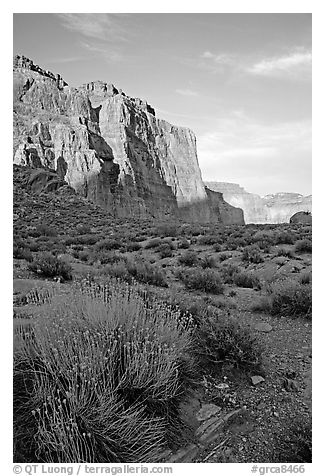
213 209
61 167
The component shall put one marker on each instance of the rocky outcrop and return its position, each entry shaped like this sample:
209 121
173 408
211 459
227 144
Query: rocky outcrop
301 217
109 147
275 208
229 214
44 181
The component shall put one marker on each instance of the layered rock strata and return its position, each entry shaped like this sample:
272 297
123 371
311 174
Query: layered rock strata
111 148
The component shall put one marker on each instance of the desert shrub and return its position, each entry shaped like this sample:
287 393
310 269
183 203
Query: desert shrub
104 257
263 239
108 244
207 280
22 253
166 229
233 244
34 246
81 240
133 246
228 272
83 255
225 340
140 237
285 252
42 230
165 250
189 258
21 250
83 229
101 380
192 230
153 243
207 240
303 246
148 273
78 247
207 262
183 244
286 297
305 278
88 239
224 256
49 266
284 238
247 279
117 270
291 298
252 254
262 236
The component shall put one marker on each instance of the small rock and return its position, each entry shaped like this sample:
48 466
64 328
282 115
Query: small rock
207 411
290 385
276 414
263 327
222 386
256 379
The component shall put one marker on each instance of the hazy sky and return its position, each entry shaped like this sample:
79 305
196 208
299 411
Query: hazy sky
241 82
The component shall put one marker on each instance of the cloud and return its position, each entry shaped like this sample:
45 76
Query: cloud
103 49
99 26
186 92
70 59
296 65
263 158
222 58
102 34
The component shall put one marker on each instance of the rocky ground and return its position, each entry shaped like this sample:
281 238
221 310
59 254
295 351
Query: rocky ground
236 416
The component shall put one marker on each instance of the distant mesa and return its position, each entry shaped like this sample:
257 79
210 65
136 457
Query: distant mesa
272 208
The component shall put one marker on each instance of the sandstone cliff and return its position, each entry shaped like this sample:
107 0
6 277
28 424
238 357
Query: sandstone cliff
301 217
109 147
274 208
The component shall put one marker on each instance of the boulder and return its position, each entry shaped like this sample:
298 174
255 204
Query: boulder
301 217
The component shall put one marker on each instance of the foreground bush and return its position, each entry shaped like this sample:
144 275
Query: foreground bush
252 254
148 273
291 298
21 251
207 280
287 298
101 379
247 280
189 258
303 246
49 266
223 341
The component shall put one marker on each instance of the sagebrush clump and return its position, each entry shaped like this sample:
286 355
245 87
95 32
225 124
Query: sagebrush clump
287 297
207 280
100 379
49 266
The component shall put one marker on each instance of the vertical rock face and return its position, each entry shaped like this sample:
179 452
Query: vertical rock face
109 147
275 208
